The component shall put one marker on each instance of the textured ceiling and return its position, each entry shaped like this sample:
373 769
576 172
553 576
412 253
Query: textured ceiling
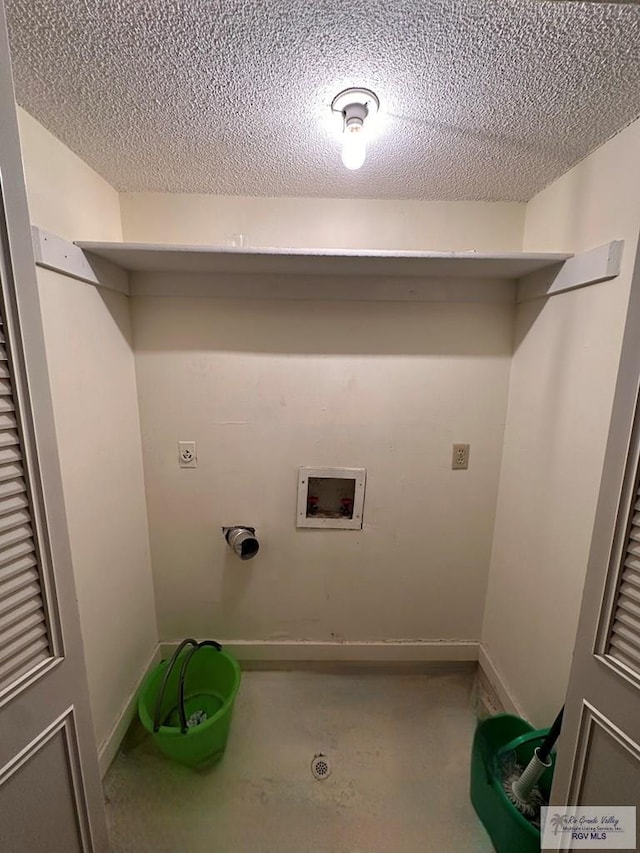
480 99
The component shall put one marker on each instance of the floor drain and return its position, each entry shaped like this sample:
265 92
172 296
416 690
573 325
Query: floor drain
320 766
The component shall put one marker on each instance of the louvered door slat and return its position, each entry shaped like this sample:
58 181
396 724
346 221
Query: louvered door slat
17 573
12 519
10 470
628 605
633 563
20 588
10 538
28 655
12 486
628 632
631 568
624 651
8 438
24 635
624 634
14 503
9 454
25 638
19 627
8 420
19 549
633 548
22 611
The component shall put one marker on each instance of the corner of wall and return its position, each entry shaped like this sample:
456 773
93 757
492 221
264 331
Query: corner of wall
89 348
65 194
563 375
108 748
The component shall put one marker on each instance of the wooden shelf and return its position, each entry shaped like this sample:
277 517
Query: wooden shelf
139 257
139 269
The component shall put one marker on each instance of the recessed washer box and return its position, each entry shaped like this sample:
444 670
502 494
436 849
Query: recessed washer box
331 497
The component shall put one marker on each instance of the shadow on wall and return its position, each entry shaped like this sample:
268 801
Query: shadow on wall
236 580
117 305
324 328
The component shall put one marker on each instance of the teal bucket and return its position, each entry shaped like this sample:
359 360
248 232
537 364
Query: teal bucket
186 703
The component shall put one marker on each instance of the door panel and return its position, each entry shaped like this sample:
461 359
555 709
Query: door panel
50 791
611 766
48 757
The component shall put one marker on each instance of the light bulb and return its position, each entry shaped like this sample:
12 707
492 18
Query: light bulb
354 146
355 105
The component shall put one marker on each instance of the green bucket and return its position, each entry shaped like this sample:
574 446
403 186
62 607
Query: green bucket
508 829
186 703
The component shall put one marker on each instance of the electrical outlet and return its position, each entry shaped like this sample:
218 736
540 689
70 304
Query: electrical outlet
460 458
187 454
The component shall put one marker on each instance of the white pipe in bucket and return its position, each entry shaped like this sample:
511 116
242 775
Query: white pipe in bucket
523 786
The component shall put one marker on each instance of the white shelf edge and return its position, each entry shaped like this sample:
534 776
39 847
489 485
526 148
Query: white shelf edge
137 257
268 251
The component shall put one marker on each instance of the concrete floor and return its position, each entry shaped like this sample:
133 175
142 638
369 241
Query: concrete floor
398 747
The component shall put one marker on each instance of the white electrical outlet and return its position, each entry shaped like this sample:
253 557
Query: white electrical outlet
187 454
460 458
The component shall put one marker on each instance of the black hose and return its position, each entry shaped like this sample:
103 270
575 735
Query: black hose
183 672
165 679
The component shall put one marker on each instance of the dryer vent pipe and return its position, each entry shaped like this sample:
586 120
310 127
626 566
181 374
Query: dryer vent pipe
242 541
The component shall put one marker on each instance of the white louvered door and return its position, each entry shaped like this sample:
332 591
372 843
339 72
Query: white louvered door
50 792
599 749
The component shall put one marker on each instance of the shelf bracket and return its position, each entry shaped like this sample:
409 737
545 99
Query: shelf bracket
55 253
596 265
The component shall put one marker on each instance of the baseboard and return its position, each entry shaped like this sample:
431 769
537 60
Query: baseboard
498 683
291 653
275 654
109 747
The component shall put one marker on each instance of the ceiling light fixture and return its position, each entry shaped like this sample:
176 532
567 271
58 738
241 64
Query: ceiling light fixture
356 105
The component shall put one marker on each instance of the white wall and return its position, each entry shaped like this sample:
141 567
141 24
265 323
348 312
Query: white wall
323 223
266 386
91 367
65 195
560 395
